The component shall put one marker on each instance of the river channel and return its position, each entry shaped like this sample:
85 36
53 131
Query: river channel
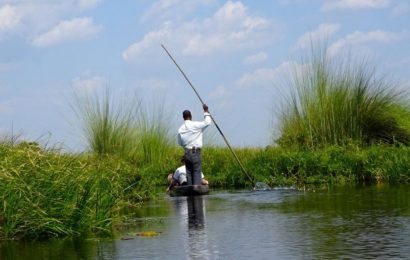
366 222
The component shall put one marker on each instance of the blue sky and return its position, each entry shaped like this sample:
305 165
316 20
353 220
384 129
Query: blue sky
238 55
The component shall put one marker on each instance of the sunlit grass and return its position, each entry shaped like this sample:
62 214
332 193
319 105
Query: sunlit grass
339 101
125 127
107 123
51 194
154 142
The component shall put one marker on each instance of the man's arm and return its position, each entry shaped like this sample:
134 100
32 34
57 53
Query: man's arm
179 140
173 183
207 115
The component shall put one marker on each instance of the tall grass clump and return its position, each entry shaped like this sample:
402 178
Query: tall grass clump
126 128
154 142
338 101
108 127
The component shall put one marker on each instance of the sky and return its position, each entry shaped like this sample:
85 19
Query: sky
238 54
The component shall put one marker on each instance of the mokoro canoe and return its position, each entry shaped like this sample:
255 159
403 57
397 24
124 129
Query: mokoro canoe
189 190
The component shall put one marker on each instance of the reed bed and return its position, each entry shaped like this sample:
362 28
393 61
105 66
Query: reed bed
336 101
300 168
48 194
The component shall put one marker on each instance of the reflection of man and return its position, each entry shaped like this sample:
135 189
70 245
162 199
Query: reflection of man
191 214
195 212
180 177
190 138
198 246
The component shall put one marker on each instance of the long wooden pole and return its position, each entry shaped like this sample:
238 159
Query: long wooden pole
202 102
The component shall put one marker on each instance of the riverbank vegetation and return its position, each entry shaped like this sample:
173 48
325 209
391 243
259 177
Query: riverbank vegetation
342 125
47 193
319 168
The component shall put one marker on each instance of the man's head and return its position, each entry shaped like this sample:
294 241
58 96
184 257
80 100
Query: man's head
187 115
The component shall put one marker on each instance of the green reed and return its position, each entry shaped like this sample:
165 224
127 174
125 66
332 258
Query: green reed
332 165
338 101
107 123
154 142
124 127
51 194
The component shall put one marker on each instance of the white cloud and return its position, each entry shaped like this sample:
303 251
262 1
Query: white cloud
229 29
89 84
221 97
165 9
354 4
267 76
87 4
9 18
360 38
69 30
324 31
28 19
219 92
255 58
151 39
289 2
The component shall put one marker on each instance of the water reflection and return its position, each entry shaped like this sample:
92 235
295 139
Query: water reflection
346 223
56 249
352 222
191 212
196 216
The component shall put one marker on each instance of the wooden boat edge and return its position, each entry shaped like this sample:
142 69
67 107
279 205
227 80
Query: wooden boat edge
189 190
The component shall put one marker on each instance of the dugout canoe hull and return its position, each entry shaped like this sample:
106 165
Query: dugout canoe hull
189 190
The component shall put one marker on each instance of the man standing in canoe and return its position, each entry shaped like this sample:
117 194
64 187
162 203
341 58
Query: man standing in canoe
190 138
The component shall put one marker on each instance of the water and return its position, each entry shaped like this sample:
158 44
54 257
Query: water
370 222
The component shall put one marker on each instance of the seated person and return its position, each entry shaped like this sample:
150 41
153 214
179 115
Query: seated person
178 178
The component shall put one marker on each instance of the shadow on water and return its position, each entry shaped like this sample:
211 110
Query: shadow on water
57 249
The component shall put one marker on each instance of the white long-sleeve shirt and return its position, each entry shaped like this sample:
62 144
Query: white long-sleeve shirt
190 132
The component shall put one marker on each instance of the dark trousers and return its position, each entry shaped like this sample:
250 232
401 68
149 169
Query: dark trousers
193 165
